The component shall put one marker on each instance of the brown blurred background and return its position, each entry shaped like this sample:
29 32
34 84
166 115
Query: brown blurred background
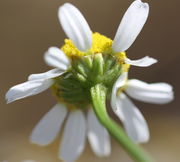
29 27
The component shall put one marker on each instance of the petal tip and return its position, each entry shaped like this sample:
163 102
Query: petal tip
131 25
143 62
151 61
8 101
142 4
143 140
38 141
8 96
56 58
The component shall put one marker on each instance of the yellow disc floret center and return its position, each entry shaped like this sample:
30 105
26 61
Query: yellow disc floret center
100 44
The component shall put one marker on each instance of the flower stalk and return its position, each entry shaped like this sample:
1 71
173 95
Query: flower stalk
98 95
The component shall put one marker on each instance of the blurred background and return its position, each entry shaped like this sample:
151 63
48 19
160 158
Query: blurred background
28 28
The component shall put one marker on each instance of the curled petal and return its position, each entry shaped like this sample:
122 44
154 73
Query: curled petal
73 141
28 88
143 62
132 119
98 136
158 93
75 26
119 83
49 126
130 26
56 58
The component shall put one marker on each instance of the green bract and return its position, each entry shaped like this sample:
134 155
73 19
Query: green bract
74 86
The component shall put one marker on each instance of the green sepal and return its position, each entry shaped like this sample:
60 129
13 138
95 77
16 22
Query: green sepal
74 86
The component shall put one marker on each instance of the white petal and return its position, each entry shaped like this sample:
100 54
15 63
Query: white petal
119 83
49 126
143 62
73 141
75 26
56 58
158 93
28 88
98 136
133 121
130 26
46 75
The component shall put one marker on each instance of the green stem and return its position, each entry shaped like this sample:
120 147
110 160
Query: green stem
98 96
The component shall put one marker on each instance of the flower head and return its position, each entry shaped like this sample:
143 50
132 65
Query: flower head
87 59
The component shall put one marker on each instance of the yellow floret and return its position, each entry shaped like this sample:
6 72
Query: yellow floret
121 56
70 49
100 44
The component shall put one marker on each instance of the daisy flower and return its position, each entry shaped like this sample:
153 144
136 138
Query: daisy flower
85 61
